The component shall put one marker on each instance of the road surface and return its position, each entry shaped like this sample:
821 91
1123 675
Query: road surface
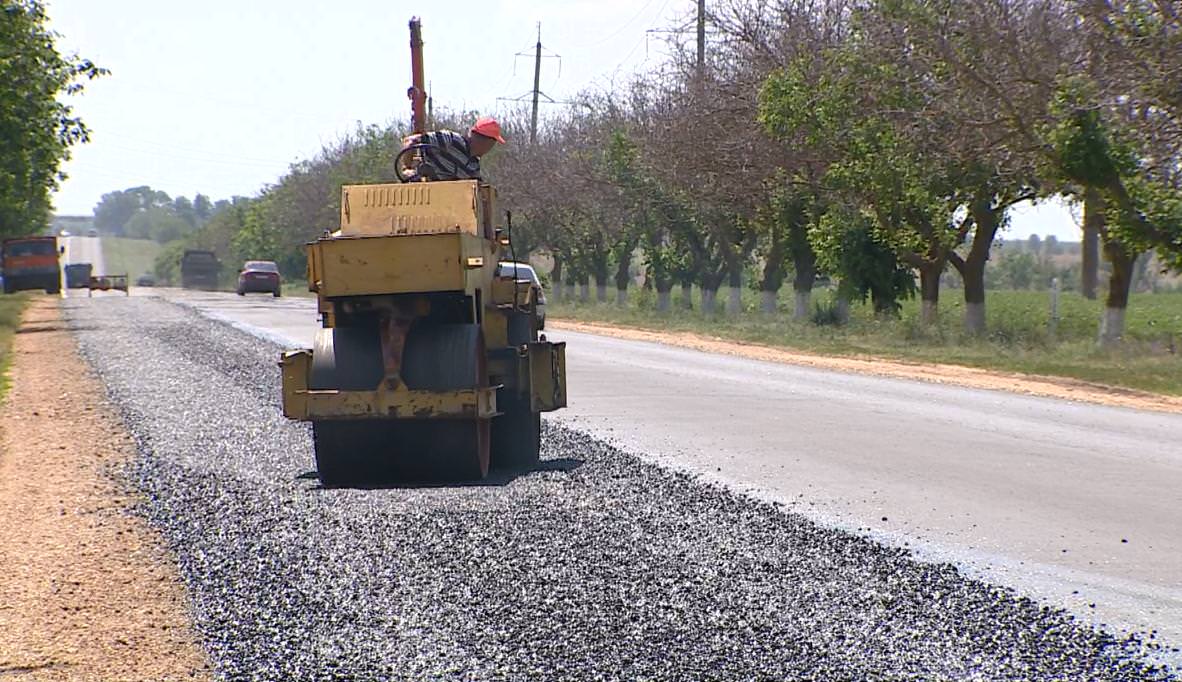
83 250
1078 505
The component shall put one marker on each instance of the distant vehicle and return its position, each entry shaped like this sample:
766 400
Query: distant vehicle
200 269
32 263
92 232
261 276
78 275
146 280
523 272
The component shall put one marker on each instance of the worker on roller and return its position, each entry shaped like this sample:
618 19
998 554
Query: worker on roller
448 155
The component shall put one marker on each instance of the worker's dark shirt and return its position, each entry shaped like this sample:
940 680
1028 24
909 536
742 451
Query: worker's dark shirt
449 156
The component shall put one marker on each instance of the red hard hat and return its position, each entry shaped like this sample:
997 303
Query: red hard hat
488 127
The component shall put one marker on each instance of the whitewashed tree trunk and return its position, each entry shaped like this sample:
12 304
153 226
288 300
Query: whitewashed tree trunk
687 296
768 301
929 313
621 297
570 292
843 310
664 301
801 310
601 293
556 292
1112 326
974 319
734 301
707 304
585 292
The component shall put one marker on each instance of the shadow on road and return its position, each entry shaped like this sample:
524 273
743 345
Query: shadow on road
496 478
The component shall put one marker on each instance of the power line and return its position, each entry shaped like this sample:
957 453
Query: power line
536 95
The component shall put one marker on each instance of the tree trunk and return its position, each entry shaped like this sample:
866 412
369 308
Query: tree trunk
556 279
601 292
804 262
987 216
768 302
687 296
973 274
1094 222
570 291
664 301
585 291
803 307
843 310
1112 325
773 276
708 297
929 294
734 302
623 279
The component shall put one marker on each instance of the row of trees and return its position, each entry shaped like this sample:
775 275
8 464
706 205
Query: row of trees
881 142
145 213
37 126
873 140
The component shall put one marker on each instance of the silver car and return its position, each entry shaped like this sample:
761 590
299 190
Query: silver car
523 272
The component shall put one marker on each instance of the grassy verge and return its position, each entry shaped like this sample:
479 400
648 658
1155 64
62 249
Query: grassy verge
11 308
1019 338
298 288
131 256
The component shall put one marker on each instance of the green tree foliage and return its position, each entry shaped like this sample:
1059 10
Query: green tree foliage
848 247
37 128
146 213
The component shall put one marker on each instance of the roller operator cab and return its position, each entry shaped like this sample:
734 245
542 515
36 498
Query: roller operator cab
428 366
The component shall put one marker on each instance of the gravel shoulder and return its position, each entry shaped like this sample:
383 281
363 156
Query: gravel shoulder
88 590
596 566
970 377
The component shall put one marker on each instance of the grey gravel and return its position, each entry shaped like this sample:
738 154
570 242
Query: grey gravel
598 566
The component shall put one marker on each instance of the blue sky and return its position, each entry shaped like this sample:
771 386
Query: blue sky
220 96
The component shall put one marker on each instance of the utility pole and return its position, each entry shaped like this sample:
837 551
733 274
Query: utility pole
535 95
701 39
533 123
689 27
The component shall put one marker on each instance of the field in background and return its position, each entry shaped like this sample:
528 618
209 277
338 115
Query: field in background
1019 337
131 256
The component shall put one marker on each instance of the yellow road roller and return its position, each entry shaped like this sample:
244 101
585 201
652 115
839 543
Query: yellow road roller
429 365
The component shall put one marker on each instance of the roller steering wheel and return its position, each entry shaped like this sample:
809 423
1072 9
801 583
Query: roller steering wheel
417 173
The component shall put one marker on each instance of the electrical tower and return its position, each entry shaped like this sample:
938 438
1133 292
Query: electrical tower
536 95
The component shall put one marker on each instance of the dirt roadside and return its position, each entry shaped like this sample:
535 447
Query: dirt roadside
87 592
969 377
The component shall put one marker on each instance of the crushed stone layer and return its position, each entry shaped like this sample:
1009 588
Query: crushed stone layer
87 591
596 566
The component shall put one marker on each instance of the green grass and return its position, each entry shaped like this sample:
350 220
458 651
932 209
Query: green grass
11 308
297 288
131 256
1018 338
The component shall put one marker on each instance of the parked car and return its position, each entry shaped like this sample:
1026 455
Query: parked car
523 272
259 275
146 280
92 232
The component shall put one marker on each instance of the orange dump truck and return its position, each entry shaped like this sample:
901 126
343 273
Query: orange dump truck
32 263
